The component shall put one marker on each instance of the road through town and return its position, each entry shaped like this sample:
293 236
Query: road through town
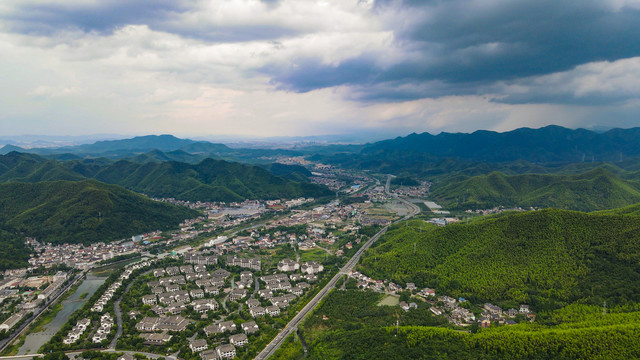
347 268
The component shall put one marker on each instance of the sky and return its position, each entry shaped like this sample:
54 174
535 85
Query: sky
290 68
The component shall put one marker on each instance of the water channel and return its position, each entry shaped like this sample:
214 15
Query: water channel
34 341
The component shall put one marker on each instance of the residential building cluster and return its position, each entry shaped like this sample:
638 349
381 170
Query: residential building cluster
78 255
420 191
106 323
76 332
108 294
493 314
445 305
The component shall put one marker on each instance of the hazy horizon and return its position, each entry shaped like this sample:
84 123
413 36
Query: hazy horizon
41 140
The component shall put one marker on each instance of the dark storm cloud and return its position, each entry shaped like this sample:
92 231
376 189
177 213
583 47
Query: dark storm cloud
469 45
103 17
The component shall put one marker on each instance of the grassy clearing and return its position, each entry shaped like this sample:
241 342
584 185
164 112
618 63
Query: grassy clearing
389 300
312 255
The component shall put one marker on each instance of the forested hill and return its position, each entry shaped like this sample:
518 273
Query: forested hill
596 189
82 211
209 180
547 258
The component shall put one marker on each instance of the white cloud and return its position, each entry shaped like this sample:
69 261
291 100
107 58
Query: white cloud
610 81
199 70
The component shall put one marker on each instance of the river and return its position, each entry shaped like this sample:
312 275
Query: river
34 341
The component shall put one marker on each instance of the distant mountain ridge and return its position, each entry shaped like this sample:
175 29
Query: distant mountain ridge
548 144
157 148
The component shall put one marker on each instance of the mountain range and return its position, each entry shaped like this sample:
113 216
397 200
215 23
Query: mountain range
522 150
155 148
209 180
547 144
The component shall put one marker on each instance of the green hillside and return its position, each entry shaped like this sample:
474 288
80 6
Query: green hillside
13 252
82 211
32 168
546 258
208 180
596 189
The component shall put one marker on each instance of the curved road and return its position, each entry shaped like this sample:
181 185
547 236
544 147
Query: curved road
118 312
347 268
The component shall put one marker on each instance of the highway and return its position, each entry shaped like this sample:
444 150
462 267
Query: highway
347 268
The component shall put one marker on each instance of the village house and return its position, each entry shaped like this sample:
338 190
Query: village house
149 299
237 294
493 309
250 327
257 311
226 351
511 312
210 355
246 276
198 345
435 311
158 273
239 339
212 290
311 268
197 293
288 265
165 323
251 303
220 273
253 264
199 259
156 338
204 305
272 310
187 269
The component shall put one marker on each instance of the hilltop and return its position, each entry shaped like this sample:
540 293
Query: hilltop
82 211
547 258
